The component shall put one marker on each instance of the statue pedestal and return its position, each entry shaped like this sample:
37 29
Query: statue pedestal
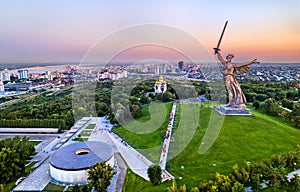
232 111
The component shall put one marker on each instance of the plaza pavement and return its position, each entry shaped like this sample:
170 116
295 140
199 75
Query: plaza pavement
137 162
40 177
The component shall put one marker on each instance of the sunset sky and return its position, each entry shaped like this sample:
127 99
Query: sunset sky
64 30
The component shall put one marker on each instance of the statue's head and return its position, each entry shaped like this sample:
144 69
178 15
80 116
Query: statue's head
229 56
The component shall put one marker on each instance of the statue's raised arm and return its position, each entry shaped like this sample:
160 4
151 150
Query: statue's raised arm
254 61
220 58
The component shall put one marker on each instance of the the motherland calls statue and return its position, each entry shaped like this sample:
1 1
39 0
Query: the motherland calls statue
236 96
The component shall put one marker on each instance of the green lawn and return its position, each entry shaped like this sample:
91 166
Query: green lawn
240 139
53 187
80 139
134 182
149 143
90 127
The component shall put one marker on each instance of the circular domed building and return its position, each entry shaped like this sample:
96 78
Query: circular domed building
69 164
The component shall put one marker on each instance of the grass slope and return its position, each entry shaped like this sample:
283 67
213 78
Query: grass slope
145 141
241 139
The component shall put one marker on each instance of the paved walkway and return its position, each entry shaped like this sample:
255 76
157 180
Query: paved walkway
165 147
136 161
166 144
121 177
37 180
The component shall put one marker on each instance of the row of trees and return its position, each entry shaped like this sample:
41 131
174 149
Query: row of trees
33 123
126 98
272 172
272 107
263 90
53 108
254 91
13 156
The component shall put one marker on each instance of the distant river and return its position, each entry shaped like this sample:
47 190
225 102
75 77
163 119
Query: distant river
59 68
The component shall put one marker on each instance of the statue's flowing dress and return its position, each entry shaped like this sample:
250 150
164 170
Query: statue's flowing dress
236 95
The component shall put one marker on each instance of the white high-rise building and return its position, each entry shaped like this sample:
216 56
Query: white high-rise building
49 75
5 75
157 70
1 86
163 68
23 74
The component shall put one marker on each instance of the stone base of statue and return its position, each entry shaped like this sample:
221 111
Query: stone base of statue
224 110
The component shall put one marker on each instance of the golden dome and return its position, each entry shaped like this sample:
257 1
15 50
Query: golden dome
157 82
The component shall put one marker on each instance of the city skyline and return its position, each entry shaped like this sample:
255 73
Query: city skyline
60 31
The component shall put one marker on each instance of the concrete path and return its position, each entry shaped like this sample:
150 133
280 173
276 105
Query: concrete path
137 162
37 180
165 147
121 177
166 144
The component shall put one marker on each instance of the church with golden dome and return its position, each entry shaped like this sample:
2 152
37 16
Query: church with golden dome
160 86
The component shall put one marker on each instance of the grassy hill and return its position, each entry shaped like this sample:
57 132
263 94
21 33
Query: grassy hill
241 139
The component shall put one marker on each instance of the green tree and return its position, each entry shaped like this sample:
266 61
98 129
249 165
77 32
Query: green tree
271 106
294 184
154 173
173 188
239 174
287 104
182 188
195 189
101 108
238 187
99 176
80 188
8 165
276 177
135 110
223 182
256 104
167 96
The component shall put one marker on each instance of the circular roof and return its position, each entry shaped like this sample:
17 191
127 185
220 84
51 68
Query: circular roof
81 155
